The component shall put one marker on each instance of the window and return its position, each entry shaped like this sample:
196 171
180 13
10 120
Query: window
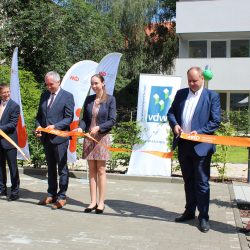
197 49
223 101
240 48
239 101
218 49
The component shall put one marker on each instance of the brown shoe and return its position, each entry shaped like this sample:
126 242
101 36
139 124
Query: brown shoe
59 204
46 201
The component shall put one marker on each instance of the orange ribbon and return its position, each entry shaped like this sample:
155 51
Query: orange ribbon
124 150
13 143
216 139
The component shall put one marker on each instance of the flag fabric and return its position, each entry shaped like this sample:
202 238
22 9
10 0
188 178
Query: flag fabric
108 68
77 82
16 96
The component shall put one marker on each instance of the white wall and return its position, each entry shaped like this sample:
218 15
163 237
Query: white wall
210 16
229 73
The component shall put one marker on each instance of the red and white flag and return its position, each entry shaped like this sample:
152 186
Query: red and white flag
108 68
16 96
77 82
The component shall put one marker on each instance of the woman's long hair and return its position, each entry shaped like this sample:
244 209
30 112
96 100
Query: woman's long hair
104 94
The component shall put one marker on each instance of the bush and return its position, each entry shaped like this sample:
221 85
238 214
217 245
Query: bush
124 135
220 158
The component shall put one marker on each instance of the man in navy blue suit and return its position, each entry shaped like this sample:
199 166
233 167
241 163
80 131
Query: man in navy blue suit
9 114
195 110
56 111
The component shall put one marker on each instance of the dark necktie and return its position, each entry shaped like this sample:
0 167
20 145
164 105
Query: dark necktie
51 101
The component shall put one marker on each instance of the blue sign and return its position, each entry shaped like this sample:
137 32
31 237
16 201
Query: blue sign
159 104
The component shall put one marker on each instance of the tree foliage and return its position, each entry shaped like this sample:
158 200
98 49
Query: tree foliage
55 36
143 52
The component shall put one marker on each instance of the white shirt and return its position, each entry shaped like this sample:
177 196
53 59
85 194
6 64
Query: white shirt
189 108
55 95
3 106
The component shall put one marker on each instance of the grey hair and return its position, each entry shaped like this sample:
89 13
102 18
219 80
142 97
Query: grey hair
54 74
198 69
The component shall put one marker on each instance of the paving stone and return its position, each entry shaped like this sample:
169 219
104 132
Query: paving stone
138 215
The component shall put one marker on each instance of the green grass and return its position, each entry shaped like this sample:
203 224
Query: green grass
237 154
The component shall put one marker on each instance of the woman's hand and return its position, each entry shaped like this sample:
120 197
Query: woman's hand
94 130
77 130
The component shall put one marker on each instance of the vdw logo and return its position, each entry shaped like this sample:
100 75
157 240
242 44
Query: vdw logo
159 104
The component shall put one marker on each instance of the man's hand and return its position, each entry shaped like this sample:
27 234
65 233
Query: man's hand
193 132
50 127
177 130
38 133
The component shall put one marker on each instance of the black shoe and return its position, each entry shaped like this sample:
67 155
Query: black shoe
3 193
204 226
90 209
13 197
99 211
184 217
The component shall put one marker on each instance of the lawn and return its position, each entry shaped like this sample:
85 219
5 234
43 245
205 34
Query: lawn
237 154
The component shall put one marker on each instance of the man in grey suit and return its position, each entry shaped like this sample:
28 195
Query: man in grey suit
9 114
56 111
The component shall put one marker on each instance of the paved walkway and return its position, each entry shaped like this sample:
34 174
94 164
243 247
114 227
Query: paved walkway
138 215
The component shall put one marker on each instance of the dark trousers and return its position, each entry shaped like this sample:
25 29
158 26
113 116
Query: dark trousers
196 174
56 157
11 156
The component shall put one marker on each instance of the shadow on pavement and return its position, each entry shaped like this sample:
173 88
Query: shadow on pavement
143 211
138 210
27 196
221 203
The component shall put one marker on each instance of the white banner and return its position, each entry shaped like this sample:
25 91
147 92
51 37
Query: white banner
16 96
108 68
77 82
156 94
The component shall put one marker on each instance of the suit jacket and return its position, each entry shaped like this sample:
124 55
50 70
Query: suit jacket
106 116
60 114
206 118
8 123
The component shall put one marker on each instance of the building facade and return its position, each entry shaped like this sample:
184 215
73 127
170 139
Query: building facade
216 33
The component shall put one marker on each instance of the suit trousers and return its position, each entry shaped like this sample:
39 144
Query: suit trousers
11 156
56 157
196 175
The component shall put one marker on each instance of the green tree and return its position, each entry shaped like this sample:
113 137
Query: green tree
142 53
54 36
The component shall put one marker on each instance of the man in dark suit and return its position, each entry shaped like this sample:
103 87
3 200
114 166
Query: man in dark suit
195 110
9 113
56 111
